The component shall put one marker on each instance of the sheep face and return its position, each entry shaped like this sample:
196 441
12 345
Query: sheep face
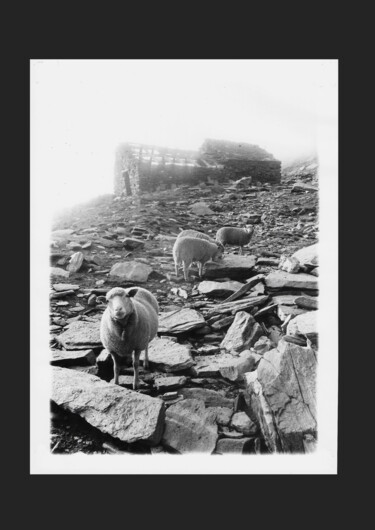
219 254
119 302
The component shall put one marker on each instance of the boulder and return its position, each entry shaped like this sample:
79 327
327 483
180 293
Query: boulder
81 335
131 271
231 266
243 424
124 414
286 280
180 321
189 428
242 334
307 255
168 356
282 396
219 288
70 358
305 324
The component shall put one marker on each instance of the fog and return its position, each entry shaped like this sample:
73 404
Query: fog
82 109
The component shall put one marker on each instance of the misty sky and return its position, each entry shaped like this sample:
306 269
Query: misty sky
81 110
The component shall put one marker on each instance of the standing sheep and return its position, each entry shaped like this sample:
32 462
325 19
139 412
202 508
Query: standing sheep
196 234
230 235
187 250
128 324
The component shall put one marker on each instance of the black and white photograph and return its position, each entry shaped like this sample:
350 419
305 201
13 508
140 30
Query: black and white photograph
184 266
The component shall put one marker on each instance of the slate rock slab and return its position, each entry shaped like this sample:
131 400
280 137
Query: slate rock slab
81 335
124 414
131 271
232 446
180 321
169 383
188 427
61 287
70 358
168 356
282 394
219 288
242 334
231 266
307 255
287 280
57 271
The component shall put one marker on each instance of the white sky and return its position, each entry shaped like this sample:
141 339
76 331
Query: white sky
81 110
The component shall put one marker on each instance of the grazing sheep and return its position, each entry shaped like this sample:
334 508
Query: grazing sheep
187 250
128 324
229 235
197 234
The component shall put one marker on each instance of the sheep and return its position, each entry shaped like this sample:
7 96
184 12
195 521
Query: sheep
229 235
199 235
187 250
129 323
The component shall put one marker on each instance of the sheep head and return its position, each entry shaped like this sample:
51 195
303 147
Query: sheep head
120 303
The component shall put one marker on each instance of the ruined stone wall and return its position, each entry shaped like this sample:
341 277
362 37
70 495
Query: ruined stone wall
157 177
259 170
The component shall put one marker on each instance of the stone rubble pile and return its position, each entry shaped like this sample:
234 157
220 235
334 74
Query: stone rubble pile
233 367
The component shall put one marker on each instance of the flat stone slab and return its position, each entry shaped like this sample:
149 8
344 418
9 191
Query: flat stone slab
60 287
231 266
133 243
211 398
307 302
81 335
169 383
242 334
189 428
180 321
124 414
168 356
219 288
69 358
305 324
285 280
231 446
57 271
131 271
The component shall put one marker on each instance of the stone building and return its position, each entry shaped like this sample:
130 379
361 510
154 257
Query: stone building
144 168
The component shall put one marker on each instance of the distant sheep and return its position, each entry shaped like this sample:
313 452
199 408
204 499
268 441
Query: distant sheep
229 235
128 324
187 250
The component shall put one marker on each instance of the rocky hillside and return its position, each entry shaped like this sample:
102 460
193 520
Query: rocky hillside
233 367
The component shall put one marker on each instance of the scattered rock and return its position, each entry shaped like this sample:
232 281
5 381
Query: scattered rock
169 383
289 264
76 261
131 271
132 243
285 280
230 446
263 345
69 358
168 356
56 271
124 414
234 369
188 427
180 321
307 302
307 255
305 324
61 287
219 288
81 335
201 208
211 398
232 265
242 334
243 424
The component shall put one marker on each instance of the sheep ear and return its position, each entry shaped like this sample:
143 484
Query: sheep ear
132 292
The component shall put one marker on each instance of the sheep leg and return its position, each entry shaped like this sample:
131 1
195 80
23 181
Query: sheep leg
200 269
176 267
240 251
145 362
186 271
135 356
116 368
